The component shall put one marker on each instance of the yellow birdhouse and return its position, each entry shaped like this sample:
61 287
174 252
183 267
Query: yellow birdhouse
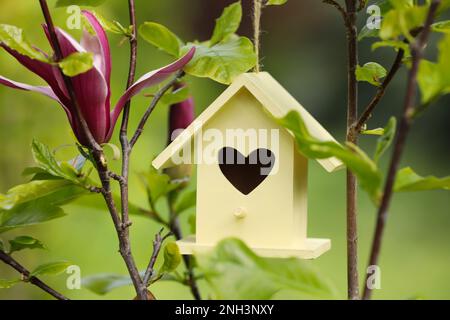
251 180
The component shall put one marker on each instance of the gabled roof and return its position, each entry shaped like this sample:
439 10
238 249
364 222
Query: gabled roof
275 100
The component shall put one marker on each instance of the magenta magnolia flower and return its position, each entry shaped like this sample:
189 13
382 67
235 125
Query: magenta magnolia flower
181 115
92 88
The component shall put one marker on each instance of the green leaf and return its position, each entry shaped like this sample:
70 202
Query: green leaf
385 141
186 201
112 26
158 185
222 62
355 159
441 26
15 39
52 268
2 245
402 20
88 3
408 180
103 283
77 63
434 78
371 72
235 272
172 258
45 160
176 96
374 132
24 242
36 202
6 284
227 24
115 150
161 37
276 2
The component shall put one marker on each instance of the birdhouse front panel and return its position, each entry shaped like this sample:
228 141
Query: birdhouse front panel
242 199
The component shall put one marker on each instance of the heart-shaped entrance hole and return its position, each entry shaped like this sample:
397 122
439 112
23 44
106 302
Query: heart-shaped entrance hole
246 173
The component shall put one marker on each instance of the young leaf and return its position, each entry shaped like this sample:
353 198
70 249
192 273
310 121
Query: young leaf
103 283
276 2
77 63
176 96
228 23
6 284
404 18
385 141
235 272
88 3
52 268
374 132
172 258
15 39
408 180
111 26
186 201
158 185
161 37
36 202
46 160
355 159
223 61
434 78
24 242
441 26
371 72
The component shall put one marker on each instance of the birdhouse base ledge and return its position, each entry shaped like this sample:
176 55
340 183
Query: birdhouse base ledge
311 249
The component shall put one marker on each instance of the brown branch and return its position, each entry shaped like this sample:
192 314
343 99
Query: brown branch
126 150
26 276
352 137
152 106
157 244
99 158
367 113
417 51
176 230
341 10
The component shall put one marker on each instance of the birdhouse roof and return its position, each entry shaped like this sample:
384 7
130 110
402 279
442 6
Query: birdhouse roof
275 99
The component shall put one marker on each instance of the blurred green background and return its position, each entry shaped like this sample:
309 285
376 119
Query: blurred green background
304 48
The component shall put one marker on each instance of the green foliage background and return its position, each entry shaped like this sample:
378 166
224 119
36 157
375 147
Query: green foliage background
304 48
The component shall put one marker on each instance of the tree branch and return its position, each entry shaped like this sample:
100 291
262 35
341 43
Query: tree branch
157 244
176 230
367 113
27 278
417 50
152 106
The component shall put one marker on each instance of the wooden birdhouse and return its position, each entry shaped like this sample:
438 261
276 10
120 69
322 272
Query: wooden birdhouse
251 180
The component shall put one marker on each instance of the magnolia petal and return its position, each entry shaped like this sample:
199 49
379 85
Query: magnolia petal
149 79
91 90
44 70
103 44
47 91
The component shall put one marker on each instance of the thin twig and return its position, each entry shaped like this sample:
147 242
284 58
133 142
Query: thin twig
31 279
417 51
367 113
176 230
257 12
126 150
157 244
341 10
152 106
